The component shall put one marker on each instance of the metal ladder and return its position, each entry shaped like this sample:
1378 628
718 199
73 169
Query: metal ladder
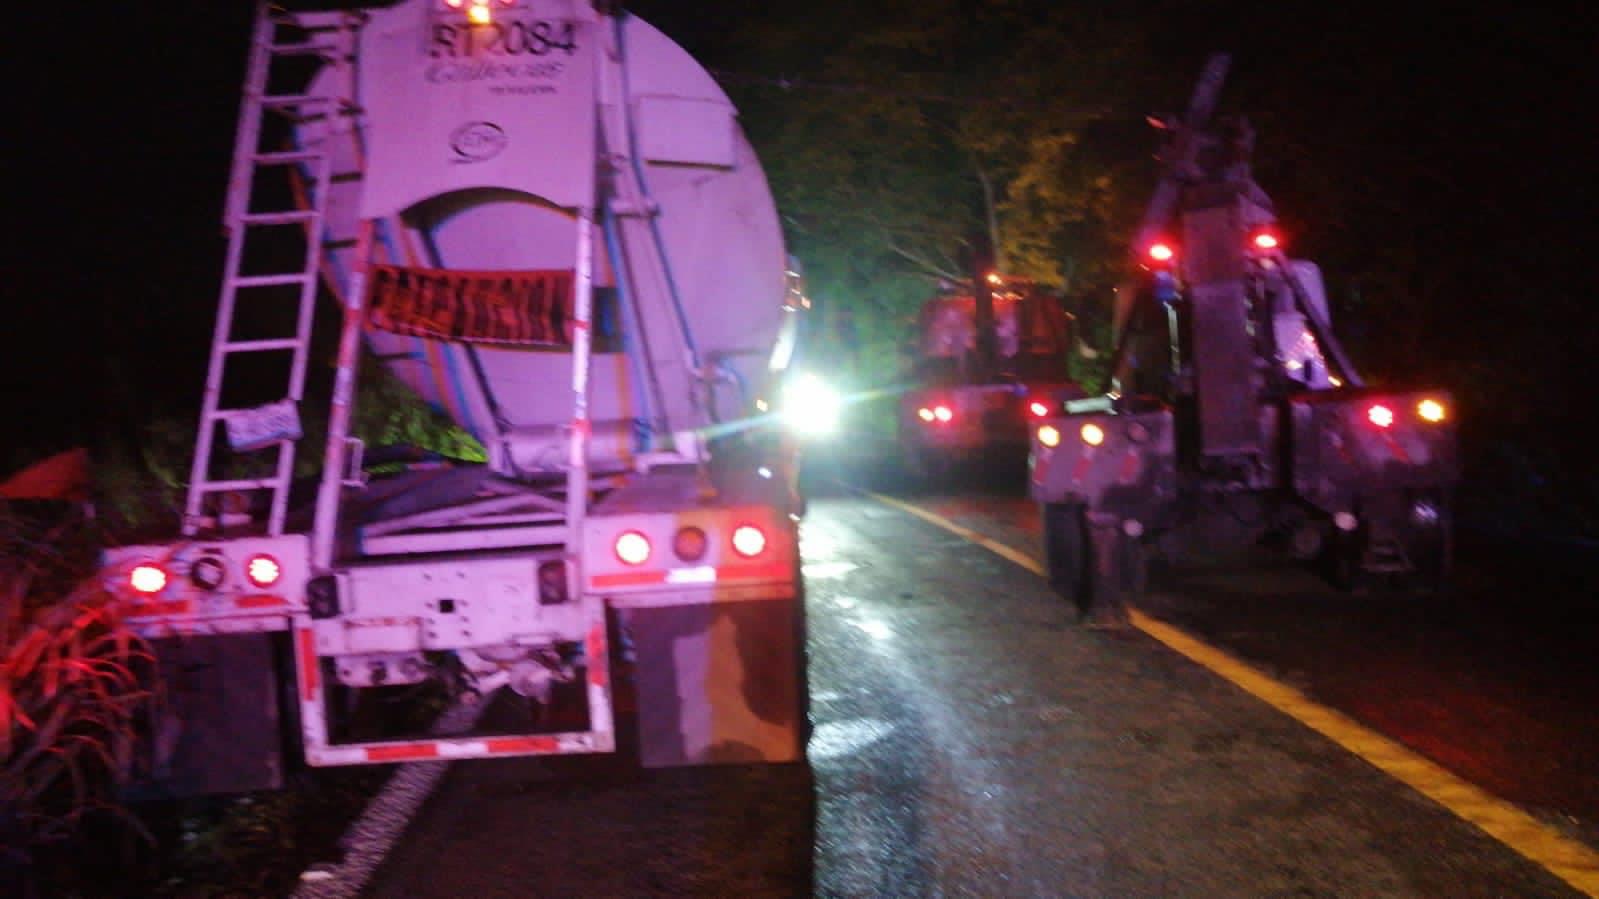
242 224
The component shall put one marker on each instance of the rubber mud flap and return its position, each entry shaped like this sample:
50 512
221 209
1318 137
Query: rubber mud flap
719 683
217 725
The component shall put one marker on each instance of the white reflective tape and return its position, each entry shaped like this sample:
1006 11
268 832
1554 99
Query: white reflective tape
700 574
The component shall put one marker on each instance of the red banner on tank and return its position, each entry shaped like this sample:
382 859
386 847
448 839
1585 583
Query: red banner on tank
530 308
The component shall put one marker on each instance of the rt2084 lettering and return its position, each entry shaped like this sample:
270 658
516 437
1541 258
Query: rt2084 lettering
533 38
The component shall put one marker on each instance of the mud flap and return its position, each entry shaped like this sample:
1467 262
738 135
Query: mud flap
720 682
217 728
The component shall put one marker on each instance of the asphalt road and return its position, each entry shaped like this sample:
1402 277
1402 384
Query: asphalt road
972 740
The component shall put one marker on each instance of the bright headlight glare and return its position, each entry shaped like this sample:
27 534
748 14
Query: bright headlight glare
810 406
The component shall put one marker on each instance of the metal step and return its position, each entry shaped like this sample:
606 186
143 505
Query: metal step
261 346
280 218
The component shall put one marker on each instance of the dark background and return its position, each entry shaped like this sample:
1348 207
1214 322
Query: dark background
1447 150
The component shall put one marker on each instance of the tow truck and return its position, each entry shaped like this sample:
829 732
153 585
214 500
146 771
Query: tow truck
990 358
1232 418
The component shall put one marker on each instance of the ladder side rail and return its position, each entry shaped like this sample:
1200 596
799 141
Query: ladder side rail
577 471
248 136
302 334
340 412
236 202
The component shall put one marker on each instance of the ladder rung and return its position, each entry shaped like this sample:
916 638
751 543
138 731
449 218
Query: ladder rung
305 49
287 217
256 484
257 346
270 280
280 157
275 101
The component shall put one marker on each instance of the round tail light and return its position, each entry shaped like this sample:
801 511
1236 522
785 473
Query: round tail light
749 541
262 570
632 548
147 579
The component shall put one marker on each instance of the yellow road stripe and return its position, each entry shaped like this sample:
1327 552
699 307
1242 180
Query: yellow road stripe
1567 859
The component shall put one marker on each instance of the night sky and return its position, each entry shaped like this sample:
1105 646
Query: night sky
122 128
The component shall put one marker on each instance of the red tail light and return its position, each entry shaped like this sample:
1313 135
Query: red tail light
1038 409
147 579
1380 415
262 570
1161 252
1265 240
632 548
943 413
749 541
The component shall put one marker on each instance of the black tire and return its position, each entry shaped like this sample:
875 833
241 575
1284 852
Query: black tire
1065 548
1431 550
1100 569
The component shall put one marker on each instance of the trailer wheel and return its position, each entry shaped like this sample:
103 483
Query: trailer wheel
1431 549
1065 548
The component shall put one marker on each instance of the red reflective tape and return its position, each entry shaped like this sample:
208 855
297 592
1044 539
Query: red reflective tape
628 578
1129 467
765 571
582 426
1394 446
598 656
170 607
507 745
1080 469
260 601
308 668
404 752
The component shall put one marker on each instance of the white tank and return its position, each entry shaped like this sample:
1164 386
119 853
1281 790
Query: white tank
477 145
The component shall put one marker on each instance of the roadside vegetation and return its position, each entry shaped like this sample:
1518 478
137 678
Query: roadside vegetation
80 692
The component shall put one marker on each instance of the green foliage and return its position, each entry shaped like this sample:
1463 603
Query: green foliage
891 145
390 414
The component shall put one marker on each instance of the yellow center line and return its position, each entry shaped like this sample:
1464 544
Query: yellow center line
1562 856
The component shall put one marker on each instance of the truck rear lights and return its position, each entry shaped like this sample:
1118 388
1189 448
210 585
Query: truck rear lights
262 570
943 413
1380 415
689 544
552 583
208 572
1092 434
1049 436
1265 240
632 548
1039 409
925 414
749 541
1161 252
148 579
1431 410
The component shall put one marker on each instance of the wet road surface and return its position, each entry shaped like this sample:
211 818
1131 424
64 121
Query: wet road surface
971 740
